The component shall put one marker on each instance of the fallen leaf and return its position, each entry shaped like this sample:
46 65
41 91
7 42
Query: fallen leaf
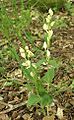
1 98
49 117
1 106
59 113
27 117
4 117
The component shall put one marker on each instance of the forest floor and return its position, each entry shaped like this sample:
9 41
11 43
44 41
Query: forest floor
13 98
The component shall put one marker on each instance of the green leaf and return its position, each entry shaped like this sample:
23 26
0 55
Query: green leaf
72 85
48 77
40 62
33 100
29 86
29 37
54 63
14 54
2 69
46 99
26 72
40 88
8 84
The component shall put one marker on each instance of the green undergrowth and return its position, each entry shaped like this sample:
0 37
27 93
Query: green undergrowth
45 4
38 72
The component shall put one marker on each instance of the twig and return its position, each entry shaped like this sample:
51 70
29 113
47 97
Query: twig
12 107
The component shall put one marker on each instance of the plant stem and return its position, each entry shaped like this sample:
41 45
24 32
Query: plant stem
47 110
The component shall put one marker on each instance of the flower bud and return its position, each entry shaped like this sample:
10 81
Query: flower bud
33 64
50 12
32 74
45 45
52 23
29 53
48 18
26 47
50 33
48 54
26 64
45 27
22 52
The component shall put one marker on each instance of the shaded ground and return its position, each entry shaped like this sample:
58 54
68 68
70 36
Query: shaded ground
13 99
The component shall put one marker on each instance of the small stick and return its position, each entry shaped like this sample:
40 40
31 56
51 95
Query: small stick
12 107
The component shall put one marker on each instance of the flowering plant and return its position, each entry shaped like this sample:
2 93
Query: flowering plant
48 28
39 83
39 86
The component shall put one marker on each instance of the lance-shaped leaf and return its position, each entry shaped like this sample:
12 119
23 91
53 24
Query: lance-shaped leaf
46 99
48 77
33 100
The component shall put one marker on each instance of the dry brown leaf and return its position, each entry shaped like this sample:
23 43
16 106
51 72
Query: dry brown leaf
15 114
1 98
49 117
59 113
16 99
2 106
4 117
27 117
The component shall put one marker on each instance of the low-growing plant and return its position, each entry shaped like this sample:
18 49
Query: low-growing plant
45 4
40 87
14 21
38 79
39 75
68 6
39 84
61 22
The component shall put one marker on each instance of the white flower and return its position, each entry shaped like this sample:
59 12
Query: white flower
44 63
23 55
48 18
45 27
20 16
50 33
32 74
45 45
27 64
48 54
52 23
50 12
29 53
26 47
33 64
22 52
